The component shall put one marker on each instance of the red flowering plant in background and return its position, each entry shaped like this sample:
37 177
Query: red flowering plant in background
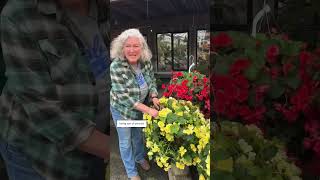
191 86
272 82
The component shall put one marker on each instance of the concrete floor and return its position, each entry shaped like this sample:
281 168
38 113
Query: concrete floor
117 171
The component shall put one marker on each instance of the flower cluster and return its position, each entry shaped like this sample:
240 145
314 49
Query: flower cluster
191 87
221 41
231 92
179 136
272 82
241 152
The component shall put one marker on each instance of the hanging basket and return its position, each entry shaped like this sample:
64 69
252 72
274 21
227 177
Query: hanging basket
178 138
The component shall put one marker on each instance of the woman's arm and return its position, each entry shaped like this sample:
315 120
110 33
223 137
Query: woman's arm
93 145
145 109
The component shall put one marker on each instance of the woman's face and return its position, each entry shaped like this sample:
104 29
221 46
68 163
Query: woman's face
132 50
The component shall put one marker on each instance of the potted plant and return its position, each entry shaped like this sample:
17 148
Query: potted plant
179 137
193 87
274 83
241 152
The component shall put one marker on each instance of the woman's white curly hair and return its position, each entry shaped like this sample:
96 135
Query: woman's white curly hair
117 44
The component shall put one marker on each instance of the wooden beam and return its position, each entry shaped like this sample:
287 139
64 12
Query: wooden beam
118 14
162 8
171 6
204 5
177 6
200 20
125 11
139 7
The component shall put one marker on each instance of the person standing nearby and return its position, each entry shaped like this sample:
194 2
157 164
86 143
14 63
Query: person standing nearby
49 104
132 83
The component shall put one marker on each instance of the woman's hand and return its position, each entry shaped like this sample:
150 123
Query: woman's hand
97 144
145 109
156 103
153 112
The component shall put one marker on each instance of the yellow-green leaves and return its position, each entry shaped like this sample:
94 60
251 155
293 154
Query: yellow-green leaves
179 136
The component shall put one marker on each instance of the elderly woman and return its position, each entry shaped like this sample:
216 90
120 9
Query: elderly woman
133 83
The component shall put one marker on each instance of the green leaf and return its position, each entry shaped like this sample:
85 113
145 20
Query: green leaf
263 78
270 113
171 117
222 141
292 81
181 120
276 90
225 165
255 171
155 137
256 57
251 73
162 118
222 65
170 101
197 89
241 40
221 175
277 177
186 116
219 155
174 128
261 36
251 98
187 138
269 152
240 171
316 76
290 48
188 158
267 173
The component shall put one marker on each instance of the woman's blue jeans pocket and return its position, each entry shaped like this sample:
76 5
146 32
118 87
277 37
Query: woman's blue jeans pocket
18 165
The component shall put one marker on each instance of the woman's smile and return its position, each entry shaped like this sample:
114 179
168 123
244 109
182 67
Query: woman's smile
132 50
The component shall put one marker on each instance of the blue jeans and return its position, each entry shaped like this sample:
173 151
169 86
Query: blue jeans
18 166
130 143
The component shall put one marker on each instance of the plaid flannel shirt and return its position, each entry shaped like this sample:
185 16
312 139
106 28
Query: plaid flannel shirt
49 100
125 91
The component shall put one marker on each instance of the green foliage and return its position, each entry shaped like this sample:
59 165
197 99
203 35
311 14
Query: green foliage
179 136
164 52
193 87
241 152
277 82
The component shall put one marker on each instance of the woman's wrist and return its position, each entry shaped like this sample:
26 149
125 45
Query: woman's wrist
97 144
142 108
149 109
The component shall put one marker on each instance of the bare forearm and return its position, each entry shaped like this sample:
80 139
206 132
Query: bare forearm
141 107
97 144
145 109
